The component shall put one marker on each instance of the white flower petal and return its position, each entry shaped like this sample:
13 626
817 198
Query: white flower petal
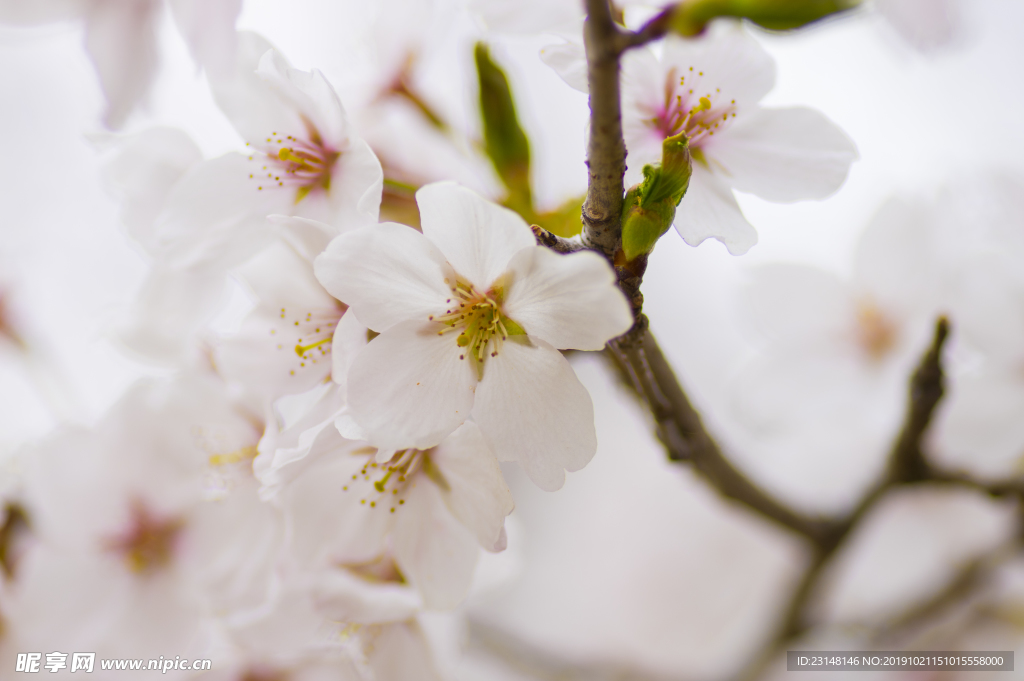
569 61
308 237
980 428
532 409
400 653
280 277
791 302
280 449
329 524
783 154
476 494
806 382
925 24
217 213
208 27
476 236
895 262
988 309
730 58
350 337
294 310
141 172
643 97
386 274
254 108
433 549
309 95
570 301
121 40
21 13
344 597
408 387
709 210
357 185
172 306
347 426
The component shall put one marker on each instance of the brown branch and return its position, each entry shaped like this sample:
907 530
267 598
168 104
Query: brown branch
681 431
606 151
655 29
554 242
906 465
969 579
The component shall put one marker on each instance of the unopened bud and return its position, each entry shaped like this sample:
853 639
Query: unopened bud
505 141
650 207
691 17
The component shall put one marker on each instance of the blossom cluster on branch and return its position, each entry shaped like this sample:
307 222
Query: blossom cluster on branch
299 498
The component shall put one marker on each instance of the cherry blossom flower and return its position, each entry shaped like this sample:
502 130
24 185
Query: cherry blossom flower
121 39
383 613
284 345
304 160
980 428
709 89
140 172
212 215
153 511
838 351
925 25
470 314
289 639
431 509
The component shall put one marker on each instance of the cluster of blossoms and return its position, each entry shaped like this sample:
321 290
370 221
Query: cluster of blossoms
298 498
415 359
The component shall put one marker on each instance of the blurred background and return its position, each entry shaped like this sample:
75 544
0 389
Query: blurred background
636 569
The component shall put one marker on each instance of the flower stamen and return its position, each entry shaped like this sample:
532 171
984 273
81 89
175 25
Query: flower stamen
679 114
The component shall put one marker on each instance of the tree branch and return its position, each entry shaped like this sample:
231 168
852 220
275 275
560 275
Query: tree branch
968 580
906 465
655 29
606 151
680 429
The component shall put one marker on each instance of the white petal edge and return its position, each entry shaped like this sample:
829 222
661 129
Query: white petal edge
408 387
386 274
531 408
122 42
477 237
570 301
476 494
709 211
783 155
433 549
569 61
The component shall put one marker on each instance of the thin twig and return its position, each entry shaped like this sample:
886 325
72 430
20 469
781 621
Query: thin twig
655 29
554 242
969 579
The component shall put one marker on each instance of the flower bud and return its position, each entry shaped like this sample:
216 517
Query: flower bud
505 142
650 207
690 18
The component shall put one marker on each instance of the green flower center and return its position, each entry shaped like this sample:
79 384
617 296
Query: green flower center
481 324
